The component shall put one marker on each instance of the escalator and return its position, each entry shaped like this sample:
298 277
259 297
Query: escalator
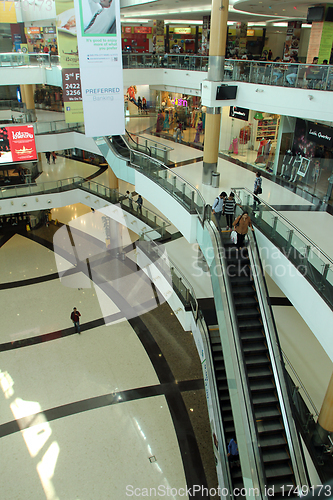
275 455
208 309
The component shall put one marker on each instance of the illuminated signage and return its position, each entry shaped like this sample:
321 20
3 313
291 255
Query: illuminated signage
142 29
250 33
182 31
179 102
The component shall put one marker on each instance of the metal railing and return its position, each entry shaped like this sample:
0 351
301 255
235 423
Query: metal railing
148 146
308 258
57 126
19 59
179 188
310 76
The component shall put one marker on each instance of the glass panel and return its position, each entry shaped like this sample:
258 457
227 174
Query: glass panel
298 244
283 230
329 277
316 261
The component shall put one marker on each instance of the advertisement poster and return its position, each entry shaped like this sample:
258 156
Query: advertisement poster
292 42
17 144
69 60
99 42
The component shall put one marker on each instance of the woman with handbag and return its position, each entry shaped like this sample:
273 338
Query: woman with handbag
241 225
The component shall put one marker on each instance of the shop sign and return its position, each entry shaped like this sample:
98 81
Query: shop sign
142 29
182 31
179 102
17 144
34 30
320 135
49 30
128 29
250 33
240 113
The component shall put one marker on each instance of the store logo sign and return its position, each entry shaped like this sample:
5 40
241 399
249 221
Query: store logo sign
179 102
240 113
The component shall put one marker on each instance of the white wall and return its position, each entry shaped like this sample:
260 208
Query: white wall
315 312
67 140
303 103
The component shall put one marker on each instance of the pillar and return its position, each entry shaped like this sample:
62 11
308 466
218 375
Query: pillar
27 93
113 179
325 419
217 47
320 43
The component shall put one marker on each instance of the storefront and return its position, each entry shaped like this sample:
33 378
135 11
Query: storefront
42 39
308 162
250 137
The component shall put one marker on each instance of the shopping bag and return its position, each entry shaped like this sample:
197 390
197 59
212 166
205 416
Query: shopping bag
233 237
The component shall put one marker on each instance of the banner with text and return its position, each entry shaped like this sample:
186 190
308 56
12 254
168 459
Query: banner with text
99 41
69 60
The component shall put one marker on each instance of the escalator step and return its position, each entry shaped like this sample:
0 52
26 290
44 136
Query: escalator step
263 399
257 360
262 385
250 323
262 372
217 348
252 335
245 301
237 281
276 441
242 291
270 412
278 470
243 313
267 429
254 348
275 455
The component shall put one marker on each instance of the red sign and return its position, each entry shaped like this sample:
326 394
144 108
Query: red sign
18 144
128 29
142 29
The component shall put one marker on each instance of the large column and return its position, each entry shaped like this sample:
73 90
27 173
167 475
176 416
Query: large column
217 44
325 419
27 93
320 43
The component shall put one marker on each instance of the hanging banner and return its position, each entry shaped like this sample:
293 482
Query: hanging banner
69 59
99 41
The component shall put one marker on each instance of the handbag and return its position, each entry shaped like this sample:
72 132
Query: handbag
233 237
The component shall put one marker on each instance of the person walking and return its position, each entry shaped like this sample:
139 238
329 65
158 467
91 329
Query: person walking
199 131
229 209
54 157
140 203
241 226
257 189
233 453
130 199
75 317
217 208
48 156
179 130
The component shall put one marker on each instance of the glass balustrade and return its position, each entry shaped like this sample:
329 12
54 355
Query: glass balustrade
309 259
309 76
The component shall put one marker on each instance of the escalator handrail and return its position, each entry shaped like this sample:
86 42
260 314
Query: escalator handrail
162 148
287 221
276 362
172 173
124 137
245 399
216 409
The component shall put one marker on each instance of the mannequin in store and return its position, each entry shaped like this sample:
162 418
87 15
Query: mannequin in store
316 171
261 151
245 134
267 149
286 163
166 124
